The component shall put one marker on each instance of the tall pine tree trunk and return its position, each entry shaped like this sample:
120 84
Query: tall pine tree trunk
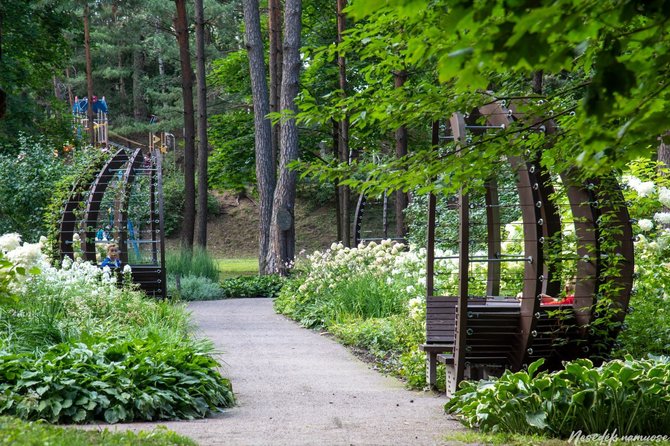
265 166
336 155
139 110
343 144
401 198
201 223
282 229
181 28
89 73
274 28
123 96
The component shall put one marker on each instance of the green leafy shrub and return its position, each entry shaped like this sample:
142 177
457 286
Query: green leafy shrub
193 288
75 347
393 342
629 396
647 327
115 380
16 432
25 194
253 286
197 263
232 164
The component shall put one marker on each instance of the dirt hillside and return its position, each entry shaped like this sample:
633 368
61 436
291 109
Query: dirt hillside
234 232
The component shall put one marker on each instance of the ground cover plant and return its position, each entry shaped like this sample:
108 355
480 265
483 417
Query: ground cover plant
627 396
76 347
252 286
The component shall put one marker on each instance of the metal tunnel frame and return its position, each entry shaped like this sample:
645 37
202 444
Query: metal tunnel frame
477 336
82 210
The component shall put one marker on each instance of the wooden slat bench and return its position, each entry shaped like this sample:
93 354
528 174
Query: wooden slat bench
492 329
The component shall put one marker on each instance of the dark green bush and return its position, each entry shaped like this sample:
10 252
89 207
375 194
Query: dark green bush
25 194
629 396
16 432
253 286
115 380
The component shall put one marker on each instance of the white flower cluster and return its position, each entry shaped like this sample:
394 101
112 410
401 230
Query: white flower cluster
645 225
9 242
25 255
75 278
664 196
662 217
643 188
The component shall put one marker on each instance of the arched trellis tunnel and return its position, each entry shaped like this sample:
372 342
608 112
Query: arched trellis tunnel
121 204
494 301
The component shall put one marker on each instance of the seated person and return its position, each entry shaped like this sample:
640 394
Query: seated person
112 260
569 298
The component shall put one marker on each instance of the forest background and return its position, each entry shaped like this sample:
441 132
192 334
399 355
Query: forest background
370 79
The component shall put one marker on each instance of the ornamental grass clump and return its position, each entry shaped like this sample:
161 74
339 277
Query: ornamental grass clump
631 397
76 347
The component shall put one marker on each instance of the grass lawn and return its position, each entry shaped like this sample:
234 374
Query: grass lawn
20 433
245 266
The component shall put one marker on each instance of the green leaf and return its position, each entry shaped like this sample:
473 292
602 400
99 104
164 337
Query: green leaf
537 419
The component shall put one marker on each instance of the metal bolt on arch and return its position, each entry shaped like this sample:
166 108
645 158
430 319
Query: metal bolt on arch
507 308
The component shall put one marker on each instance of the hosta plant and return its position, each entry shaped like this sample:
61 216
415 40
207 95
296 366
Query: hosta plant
629 396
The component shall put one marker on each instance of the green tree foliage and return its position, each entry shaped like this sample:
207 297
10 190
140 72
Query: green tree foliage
607 63
32 45
231 164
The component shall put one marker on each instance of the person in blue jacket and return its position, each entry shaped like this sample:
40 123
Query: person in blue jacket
112 260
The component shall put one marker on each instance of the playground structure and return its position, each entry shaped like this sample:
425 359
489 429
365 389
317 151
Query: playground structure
122 204
100 122
574 228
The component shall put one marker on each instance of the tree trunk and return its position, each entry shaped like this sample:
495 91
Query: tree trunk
123 96
401 198
201 223
664 158
70 97
537 82
89 73
282 229
139 109
265 167
274 28
336 155
343 145
181 28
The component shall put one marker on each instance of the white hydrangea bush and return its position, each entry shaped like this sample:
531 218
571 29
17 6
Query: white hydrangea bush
82 288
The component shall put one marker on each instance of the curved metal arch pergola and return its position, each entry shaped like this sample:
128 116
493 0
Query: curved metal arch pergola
476 336
128 174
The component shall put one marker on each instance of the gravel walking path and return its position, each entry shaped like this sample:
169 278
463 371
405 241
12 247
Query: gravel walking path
297 387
